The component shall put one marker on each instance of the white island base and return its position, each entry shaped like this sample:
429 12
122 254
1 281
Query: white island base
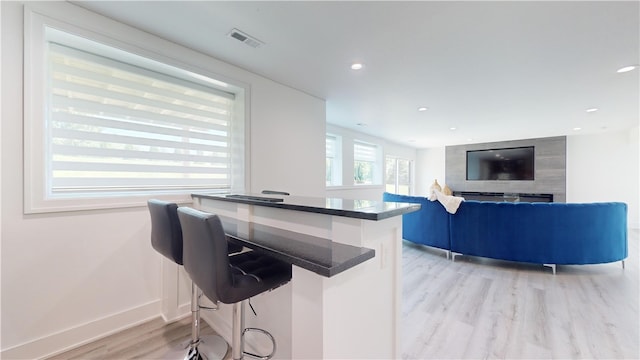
354 314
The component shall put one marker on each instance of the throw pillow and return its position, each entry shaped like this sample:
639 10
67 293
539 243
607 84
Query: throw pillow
446 190
435 186
433 190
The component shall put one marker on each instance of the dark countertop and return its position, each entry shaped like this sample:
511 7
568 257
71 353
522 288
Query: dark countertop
322 256
359 209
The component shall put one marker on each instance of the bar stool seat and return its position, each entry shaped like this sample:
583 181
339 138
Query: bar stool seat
227 279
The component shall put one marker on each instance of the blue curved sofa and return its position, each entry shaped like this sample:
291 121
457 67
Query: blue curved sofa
543 233
427 226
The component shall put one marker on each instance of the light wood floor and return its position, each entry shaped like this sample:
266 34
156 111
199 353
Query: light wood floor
151 340
474 308
478 308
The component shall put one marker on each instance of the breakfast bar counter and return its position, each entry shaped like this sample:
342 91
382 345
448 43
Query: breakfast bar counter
358 209
343 300
321 256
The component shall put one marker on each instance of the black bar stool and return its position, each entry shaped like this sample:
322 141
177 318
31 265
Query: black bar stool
228 279
166 238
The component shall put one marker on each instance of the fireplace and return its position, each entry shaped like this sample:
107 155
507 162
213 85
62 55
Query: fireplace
504 197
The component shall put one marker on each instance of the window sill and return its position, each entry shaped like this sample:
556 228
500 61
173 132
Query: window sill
353 187
31 206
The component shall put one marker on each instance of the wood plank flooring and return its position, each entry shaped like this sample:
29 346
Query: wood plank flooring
151 340
479 308
474 308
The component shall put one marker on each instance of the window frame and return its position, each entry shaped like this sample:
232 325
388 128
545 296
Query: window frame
396 184
107 32
336 165
376 171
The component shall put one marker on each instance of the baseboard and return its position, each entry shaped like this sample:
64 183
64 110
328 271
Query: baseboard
182 311
79 335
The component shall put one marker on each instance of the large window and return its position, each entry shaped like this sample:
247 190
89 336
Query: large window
365 163
333 175
397 175
115 124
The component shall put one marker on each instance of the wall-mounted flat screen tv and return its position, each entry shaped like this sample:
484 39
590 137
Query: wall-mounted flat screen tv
501 164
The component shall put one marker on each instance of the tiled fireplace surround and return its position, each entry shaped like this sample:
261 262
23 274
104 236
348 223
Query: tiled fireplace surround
550 168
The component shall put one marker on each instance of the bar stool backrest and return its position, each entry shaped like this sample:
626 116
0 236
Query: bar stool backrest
166 233
206 252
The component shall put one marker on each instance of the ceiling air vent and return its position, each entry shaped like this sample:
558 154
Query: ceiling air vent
245 38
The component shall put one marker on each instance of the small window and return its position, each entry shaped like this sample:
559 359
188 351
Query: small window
398 175
365 163
333 160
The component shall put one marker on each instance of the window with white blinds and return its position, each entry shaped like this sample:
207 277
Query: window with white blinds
115 127
366 159
102 123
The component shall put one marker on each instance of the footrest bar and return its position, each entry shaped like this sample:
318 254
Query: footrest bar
273 341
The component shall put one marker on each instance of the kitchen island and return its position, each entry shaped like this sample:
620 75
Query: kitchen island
343 300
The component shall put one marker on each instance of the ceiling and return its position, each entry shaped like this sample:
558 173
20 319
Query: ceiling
492 70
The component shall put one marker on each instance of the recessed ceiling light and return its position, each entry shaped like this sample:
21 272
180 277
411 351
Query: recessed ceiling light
422 108
627 68
356 66
577 129
590 110
452 128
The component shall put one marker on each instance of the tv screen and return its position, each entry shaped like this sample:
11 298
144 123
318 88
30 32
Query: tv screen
501 164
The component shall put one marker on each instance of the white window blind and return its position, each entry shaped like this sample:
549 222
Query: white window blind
114 127
365 152
365 163
110 120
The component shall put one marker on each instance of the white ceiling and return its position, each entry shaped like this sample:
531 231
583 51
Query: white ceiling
493 70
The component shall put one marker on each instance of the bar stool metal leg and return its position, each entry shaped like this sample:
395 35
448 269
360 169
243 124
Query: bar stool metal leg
210 347
237 345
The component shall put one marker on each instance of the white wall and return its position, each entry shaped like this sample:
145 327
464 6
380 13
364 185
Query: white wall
430 165
70 277
363 192
605 168
287 141
1 56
